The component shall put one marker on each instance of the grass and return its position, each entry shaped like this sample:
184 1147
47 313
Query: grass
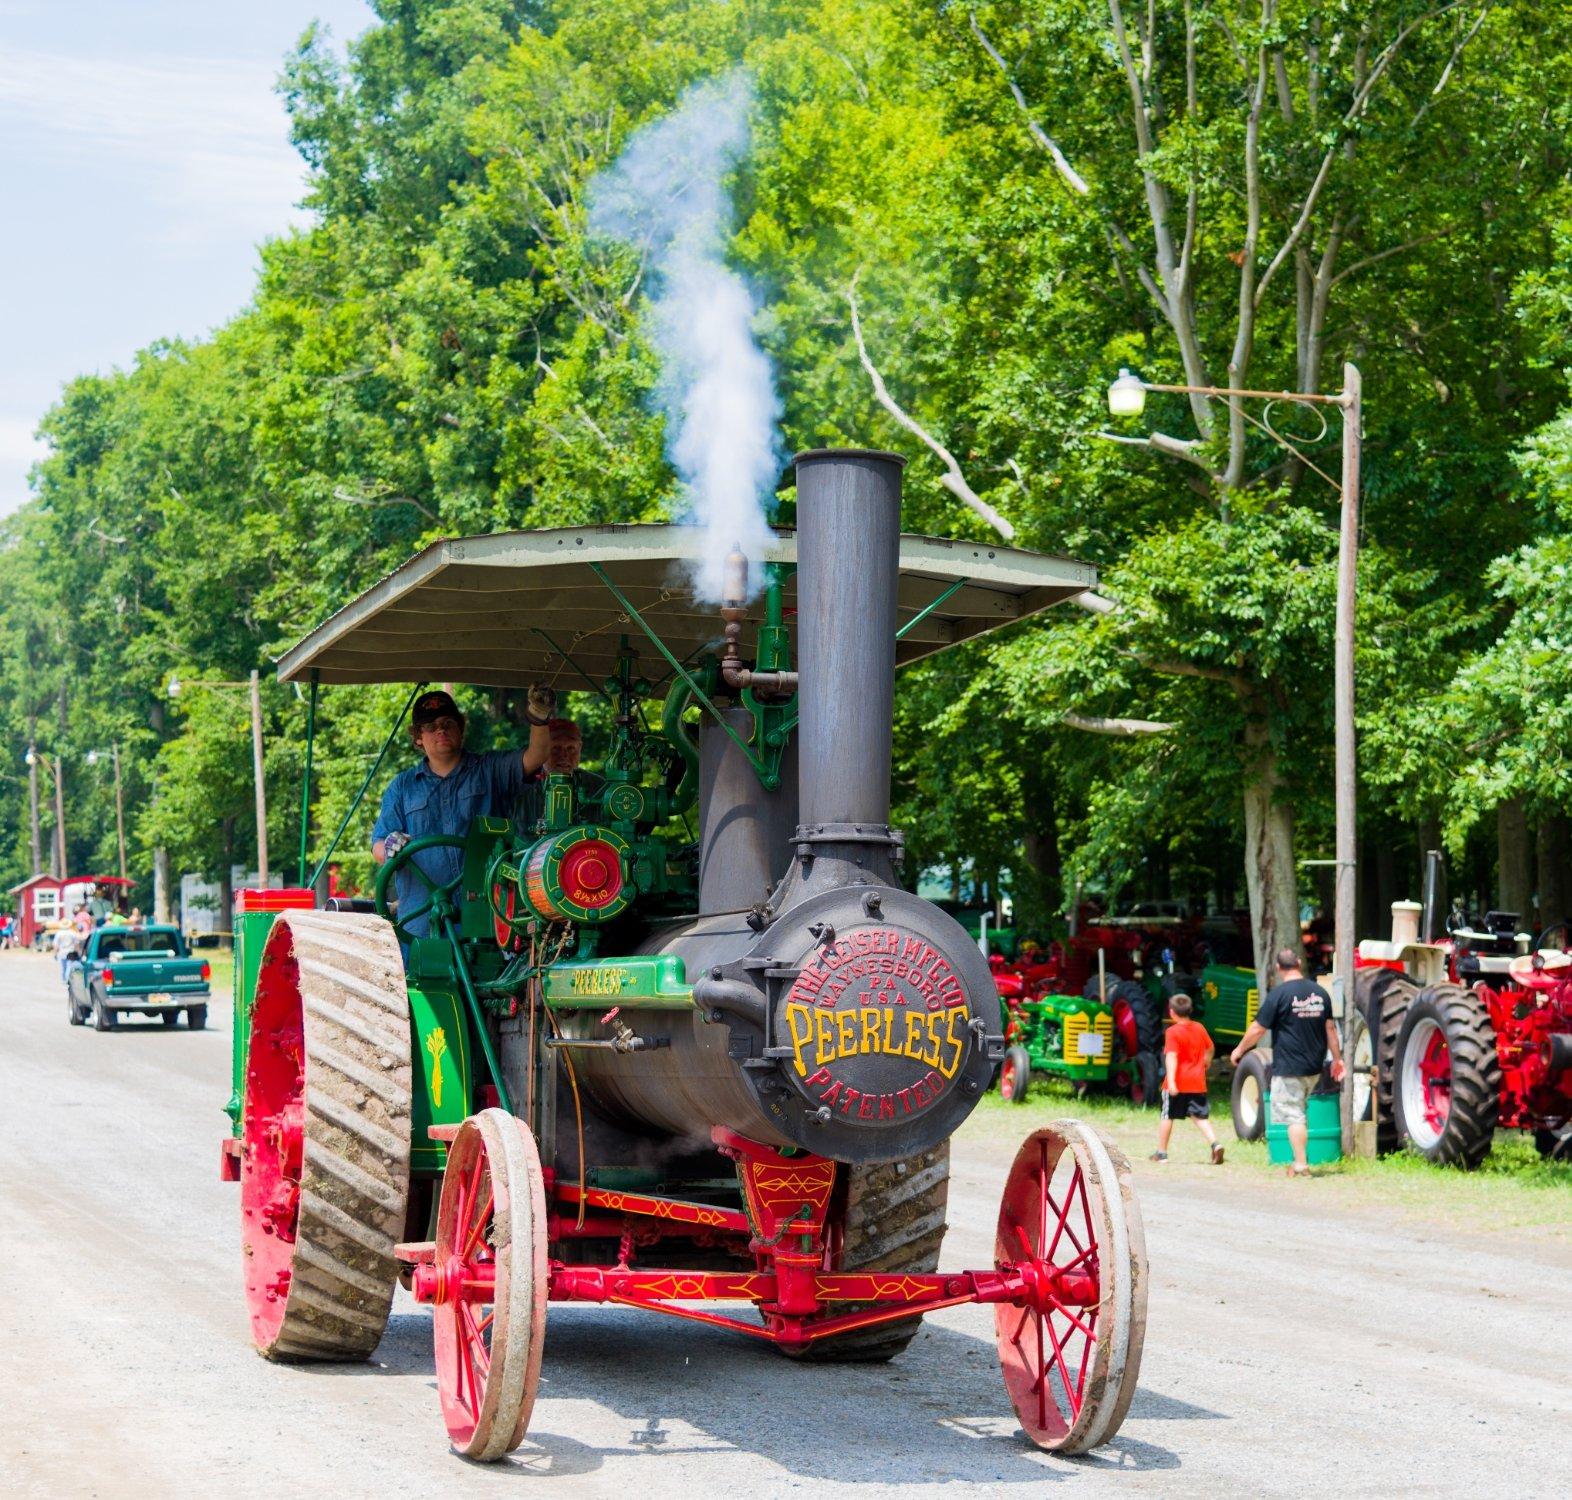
1512 1191
222 962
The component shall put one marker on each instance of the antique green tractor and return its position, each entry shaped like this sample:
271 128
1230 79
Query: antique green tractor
1109 1037
679 1038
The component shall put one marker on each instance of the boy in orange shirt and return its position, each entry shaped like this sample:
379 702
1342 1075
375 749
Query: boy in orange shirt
1187 1051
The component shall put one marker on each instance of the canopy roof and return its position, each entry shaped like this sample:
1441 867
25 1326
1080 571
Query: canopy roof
501 610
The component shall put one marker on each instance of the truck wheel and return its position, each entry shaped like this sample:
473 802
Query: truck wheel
73 1015
1252 1082
170 1018
103 1017
1448 1077
196 1017
1015 1075
324 1165
892 1220
1384 995
1071 1353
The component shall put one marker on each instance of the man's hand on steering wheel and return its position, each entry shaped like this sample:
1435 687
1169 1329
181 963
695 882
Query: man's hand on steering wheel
393 843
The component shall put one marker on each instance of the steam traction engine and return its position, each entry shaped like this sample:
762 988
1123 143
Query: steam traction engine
629 1066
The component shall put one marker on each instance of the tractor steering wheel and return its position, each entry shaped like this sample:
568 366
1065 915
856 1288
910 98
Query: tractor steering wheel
439 894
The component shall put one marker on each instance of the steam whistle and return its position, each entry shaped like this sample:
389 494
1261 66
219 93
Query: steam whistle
734 610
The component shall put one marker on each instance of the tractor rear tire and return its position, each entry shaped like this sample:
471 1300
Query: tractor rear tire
1145 1072
324 1176
1252 1082
196 1018
1384 996
1015 1075
1447 1081
894 1221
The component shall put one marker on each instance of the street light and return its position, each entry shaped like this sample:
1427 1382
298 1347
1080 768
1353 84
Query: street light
1127 398
175 687
1127 395
93 758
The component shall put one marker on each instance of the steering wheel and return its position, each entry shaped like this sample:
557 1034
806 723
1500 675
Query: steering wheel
439 894
1540 971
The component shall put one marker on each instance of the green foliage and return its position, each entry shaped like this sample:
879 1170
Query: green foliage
444 351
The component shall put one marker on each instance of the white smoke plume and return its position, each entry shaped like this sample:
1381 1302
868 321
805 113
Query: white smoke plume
666 196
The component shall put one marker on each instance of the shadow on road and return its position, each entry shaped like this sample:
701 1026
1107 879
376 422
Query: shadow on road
935 1415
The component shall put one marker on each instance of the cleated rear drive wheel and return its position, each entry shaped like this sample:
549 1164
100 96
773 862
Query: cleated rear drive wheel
1015 1075
489 1317
1448 1076
1251 1083
1383 996
1071 1351
884 1217
324 1174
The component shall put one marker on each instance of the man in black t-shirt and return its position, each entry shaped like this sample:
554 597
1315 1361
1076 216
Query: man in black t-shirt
1298 1013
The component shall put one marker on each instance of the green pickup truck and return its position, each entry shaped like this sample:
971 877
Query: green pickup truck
145 971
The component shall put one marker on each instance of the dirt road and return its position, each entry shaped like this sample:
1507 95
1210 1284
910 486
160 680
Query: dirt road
1291 1348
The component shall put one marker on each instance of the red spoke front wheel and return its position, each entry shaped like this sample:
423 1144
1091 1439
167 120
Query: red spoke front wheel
1070 1349
489 1315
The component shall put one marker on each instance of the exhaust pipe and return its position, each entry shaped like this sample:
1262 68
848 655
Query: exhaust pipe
848 567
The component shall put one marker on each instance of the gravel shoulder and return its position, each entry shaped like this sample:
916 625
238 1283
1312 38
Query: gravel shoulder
1297 1339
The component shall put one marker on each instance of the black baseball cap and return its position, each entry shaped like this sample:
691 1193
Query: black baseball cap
436 705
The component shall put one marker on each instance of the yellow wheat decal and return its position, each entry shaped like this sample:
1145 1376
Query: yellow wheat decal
436 1045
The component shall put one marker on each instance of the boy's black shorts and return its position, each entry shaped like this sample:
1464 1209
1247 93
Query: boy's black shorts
1186 1106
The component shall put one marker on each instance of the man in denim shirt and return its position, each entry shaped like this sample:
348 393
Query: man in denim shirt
451 787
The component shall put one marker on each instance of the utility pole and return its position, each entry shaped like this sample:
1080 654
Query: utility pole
256 765
1345 773
120 809
161 904
59 859
35 826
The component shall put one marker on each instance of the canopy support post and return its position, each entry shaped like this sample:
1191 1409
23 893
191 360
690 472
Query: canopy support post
387 745
768 779
305 784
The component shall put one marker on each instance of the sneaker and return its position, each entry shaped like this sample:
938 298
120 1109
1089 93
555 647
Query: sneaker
1158 1156
1217 1153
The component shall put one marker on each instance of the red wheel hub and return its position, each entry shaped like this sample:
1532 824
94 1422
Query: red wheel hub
1435 1081
592 874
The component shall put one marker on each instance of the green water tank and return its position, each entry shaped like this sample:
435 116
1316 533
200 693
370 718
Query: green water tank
1326 1133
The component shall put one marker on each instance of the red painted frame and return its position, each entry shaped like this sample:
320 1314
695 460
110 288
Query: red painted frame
786 1228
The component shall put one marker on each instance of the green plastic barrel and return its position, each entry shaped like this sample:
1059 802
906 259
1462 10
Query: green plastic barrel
1326 1132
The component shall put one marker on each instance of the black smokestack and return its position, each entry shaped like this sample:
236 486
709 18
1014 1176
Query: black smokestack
848 562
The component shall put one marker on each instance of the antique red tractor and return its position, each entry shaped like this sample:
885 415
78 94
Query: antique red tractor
1465 1033
608 1062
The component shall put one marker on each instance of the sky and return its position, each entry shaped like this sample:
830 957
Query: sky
143 158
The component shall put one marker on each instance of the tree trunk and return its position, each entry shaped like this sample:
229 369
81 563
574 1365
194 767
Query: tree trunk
1514 871
1040 843
1555 834
161 910
226 884
1270 875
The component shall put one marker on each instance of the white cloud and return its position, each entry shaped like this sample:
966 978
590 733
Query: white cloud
19 449
208 138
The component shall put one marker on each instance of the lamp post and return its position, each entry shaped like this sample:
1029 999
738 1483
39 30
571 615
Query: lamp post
93 757
1127 398
35 759
176 687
